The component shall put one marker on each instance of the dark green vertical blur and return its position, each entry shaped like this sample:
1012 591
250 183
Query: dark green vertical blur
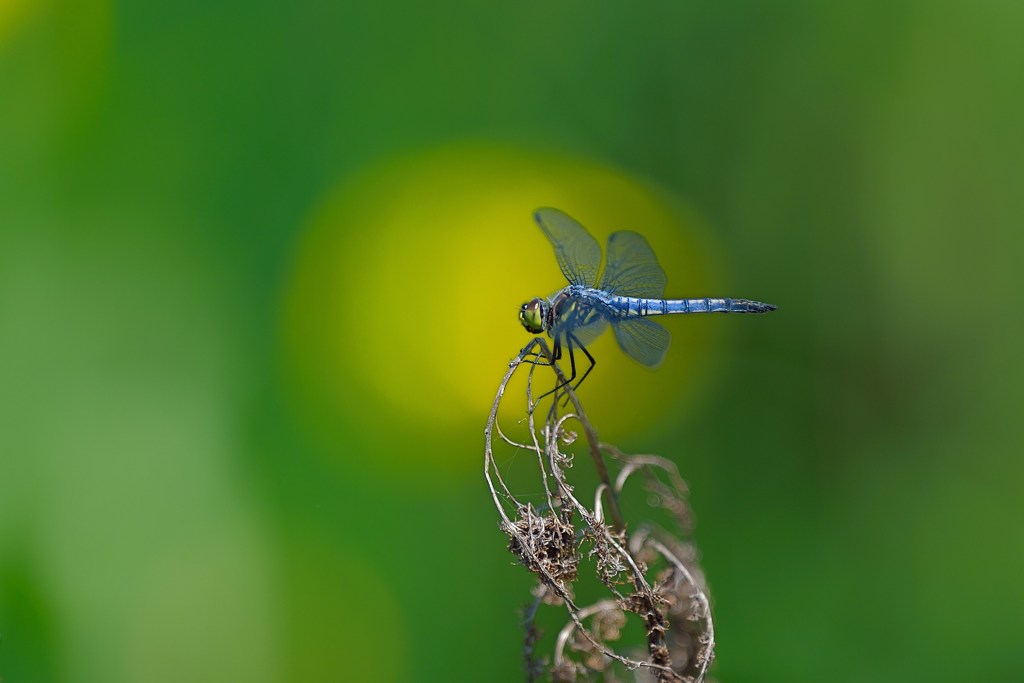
856 461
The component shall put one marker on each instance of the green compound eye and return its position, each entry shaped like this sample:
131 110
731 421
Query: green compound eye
531 316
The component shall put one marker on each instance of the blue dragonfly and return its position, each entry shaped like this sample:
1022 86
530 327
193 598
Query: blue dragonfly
630 290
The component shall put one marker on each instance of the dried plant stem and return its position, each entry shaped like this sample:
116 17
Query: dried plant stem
658 568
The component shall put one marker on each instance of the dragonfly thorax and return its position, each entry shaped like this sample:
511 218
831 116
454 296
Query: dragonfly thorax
533 315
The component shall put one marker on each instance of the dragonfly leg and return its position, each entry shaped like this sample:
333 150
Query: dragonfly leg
532 353
579 344
536 358
556 354
573 342
572 358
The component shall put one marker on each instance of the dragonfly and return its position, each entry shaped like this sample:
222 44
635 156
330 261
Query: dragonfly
630 290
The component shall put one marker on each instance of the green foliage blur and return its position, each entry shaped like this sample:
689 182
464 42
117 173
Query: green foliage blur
167 511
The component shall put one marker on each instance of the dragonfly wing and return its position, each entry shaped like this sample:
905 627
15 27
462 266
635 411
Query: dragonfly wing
643 340
632 268
591 330
578 253
586 326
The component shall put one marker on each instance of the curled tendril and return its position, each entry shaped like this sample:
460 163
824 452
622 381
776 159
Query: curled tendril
650 571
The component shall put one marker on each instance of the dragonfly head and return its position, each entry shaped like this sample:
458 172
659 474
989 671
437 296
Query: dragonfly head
532 315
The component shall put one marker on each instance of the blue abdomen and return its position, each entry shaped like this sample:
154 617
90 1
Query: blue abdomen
630 306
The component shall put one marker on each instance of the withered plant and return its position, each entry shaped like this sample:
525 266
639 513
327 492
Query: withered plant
653 621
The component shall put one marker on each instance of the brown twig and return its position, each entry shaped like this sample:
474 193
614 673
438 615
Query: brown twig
658 566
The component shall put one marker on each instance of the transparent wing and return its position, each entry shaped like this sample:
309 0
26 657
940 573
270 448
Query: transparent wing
632 268
643 340
590 329
578 254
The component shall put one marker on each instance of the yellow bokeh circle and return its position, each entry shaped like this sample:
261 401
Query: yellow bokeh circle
62 53
401 304
13 13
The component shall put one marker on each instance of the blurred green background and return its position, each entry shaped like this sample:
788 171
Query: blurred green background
259 271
